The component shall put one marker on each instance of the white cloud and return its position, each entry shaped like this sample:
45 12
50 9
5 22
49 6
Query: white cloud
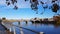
2 2
23 4
20 4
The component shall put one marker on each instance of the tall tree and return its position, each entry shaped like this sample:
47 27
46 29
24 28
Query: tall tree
34 4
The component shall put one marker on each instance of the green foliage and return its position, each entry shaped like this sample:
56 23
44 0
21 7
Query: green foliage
55 7
58 22
13 2
34 4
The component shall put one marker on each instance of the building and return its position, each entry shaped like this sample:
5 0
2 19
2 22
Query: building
46 19
50 19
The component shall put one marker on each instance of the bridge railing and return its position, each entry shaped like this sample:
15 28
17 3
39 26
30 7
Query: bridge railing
10 26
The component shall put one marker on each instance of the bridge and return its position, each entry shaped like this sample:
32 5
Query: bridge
3 29
7 24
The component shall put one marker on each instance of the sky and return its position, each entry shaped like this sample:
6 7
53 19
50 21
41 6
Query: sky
24 11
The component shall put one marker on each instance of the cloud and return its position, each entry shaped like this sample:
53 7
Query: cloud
23 4
2 2
20 4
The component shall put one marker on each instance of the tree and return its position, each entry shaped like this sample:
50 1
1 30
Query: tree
34 4
57 19
0 20
3 18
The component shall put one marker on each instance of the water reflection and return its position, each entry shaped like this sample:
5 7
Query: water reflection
47 28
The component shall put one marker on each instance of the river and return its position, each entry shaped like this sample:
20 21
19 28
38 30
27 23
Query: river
38 27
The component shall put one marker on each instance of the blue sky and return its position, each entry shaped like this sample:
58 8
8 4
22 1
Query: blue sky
24 11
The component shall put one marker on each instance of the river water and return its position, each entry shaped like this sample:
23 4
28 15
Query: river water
46 28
